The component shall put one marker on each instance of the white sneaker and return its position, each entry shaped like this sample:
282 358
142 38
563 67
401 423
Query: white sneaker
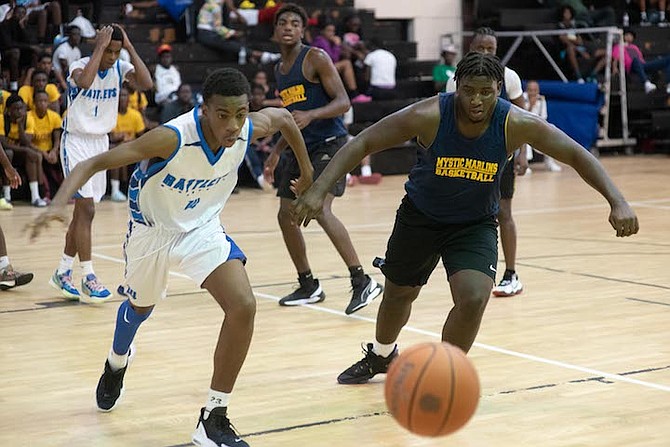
39 203
649 87
508 286
118 196
551 165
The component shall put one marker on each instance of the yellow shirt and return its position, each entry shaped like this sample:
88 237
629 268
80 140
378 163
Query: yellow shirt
4 94
26 93
138 101
13 135
44 127
130 124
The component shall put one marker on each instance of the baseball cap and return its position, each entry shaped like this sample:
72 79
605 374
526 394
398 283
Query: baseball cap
163 48
450 48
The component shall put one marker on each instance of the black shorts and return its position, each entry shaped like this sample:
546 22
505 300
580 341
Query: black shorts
418 242
507 181
320 155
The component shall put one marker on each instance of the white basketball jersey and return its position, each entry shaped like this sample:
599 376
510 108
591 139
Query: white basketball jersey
191 187
94 110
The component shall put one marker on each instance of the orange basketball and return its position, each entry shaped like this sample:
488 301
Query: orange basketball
432 389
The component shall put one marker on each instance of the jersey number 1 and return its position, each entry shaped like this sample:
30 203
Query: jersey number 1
95 112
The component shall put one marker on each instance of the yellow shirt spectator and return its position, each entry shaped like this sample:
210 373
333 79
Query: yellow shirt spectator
44 127
13 135
4 94
137 101
130 124
27 91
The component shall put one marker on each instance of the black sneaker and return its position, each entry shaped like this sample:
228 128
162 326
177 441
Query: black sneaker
110 385
216 430
363 293
304 295
364 370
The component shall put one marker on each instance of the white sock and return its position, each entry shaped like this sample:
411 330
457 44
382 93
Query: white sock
116 361
643 15
7 193
116 185
366 171
86 268
662 16
4 262
216 399
382 349
34 191
65 263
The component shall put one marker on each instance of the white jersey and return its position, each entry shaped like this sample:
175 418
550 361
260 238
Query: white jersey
94 110
512 85
190 188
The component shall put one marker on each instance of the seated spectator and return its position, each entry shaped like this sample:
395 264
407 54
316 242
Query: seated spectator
184 103
137 100
46 138
15 48
45 15
445 70
575 46
68 51
258 151
129 125
380 71
645 19
167 78
44 63
16 132
634 62
40 81
271 98
537 104
587 16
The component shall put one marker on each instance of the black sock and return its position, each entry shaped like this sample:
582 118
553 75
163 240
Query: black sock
357 273
508 273
306 278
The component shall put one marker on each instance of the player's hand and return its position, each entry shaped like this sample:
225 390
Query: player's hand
307 206
13 176
302 118
302 184
41 222
103 36
269 167
520 163
623 220
126 41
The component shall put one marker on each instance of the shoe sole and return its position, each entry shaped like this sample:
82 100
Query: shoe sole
373 294
507 295
65 293
131 356
311 300
22 280
91 300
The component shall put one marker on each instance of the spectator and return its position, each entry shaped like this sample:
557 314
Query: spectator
68 51
17 52
45 15
537 104
271 98
16 132
380 71
258 151
179 106
46 137
45 63
634 62
445 70
644 19
588 16
129 125
575 46
40 81
167 78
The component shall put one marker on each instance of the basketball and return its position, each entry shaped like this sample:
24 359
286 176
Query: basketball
432 389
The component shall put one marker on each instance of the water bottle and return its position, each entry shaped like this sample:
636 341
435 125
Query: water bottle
242 56
626 20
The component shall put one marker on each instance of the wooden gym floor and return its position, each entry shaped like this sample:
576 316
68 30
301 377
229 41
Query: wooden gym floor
581 358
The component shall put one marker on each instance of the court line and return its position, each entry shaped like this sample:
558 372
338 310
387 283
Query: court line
534 358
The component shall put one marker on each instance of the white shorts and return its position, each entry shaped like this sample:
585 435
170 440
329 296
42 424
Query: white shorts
151 252
75 148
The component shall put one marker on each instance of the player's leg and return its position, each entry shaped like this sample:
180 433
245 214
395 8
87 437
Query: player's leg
411 256
469 256
309 290
9 277
509 285
218 265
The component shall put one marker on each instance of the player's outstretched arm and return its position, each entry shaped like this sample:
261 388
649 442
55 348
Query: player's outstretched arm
419 120
524 127
159 142
270 120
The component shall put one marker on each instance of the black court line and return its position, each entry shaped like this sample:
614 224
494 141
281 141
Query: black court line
385 413
649 301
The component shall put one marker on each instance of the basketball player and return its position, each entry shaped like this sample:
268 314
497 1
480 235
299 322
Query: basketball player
94 84
312 90
175 198
452 198
485 41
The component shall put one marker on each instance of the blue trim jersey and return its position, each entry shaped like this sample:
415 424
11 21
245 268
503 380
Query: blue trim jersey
298 93
192 186
458 179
